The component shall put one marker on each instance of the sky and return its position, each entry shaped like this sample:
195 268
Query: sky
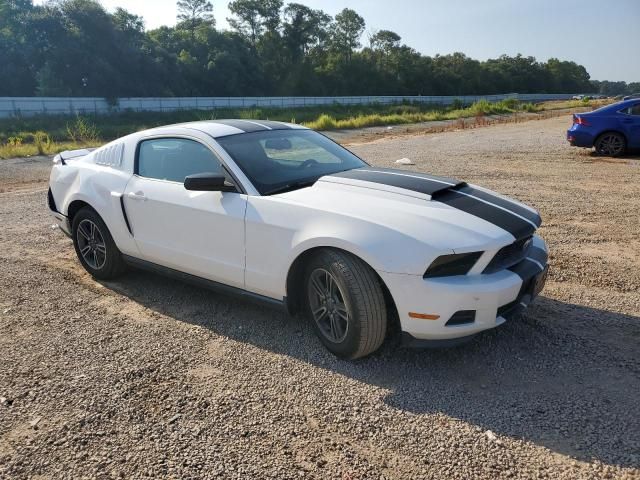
602 35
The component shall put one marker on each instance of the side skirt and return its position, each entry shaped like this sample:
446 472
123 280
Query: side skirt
205 283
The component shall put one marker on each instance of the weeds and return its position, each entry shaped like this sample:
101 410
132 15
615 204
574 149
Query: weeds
82 131
478 110
42 142
30 149
530 107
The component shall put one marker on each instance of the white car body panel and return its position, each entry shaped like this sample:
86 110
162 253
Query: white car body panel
385 229
200 233
248 241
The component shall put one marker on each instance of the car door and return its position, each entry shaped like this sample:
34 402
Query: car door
200 233
631 124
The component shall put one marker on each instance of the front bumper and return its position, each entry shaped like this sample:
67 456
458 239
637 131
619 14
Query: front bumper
492 298
62 222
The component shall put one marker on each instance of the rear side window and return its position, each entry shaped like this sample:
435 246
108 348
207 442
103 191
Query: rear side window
632 110
174 159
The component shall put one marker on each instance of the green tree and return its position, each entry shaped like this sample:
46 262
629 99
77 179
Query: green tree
384 40
194 13
75 47
633 87
253 17
346 32
17 76
567 76
304 28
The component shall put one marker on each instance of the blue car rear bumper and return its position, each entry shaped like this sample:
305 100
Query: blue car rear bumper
579 138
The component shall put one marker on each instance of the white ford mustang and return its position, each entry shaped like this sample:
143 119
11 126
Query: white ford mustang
280 213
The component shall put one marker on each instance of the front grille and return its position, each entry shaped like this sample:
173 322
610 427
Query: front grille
509 255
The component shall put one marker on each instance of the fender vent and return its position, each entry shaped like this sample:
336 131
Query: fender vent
124 214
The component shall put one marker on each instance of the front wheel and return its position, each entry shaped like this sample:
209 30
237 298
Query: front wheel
611 143
94 245
346 304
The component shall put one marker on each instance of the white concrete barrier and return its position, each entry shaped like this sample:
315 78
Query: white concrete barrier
29 106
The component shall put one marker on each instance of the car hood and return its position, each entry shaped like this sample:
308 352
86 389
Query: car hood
444 213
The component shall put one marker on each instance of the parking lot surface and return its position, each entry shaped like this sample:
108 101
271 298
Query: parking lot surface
149 377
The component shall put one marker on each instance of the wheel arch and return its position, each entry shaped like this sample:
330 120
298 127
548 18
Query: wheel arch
295 283
75 206
110 210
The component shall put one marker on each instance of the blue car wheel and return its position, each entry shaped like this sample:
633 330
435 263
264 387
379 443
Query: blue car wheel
611 143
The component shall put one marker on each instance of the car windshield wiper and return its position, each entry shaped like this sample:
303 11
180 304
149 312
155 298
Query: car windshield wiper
291 186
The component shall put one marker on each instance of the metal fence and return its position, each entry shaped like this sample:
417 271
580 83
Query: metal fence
29 106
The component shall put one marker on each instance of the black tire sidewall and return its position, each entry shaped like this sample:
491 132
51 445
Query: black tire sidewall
113 263
351 344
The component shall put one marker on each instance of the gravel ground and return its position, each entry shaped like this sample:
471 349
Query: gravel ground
148 377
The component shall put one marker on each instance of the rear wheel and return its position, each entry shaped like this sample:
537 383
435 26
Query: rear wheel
346 304
611 143
94 245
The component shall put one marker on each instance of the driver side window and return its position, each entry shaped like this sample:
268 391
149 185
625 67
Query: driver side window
174 159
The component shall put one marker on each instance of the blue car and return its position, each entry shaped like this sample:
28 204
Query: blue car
612 130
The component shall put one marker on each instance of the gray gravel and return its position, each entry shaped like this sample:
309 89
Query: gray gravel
147 377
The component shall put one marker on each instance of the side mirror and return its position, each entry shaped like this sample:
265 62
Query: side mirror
209 182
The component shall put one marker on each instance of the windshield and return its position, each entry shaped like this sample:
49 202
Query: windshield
280 160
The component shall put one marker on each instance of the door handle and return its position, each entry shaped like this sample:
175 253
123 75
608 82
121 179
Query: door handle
627 120
137 196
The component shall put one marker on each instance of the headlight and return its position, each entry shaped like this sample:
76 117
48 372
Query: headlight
455 264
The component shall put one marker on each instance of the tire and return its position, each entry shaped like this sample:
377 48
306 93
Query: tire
101 257
611 144
350 312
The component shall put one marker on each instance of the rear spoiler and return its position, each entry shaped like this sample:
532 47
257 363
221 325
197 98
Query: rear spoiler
62 157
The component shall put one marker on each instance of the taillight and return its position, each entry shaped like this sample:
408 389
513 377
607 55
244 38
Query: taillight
580 121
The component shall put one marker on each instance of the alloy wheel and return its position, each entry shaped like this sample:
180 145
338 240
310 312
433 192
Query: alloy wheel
611 145
91 244
328 306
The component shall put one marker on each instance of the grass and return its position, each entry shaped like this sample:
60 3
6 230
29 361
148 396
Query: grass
28 150
477 109
46 135
559 104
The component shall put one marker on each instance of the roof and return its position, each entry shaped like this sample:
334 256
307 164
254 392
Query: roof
222 128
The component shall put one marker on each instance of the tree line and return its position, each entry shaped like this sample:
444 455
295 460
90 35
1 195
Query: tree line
77 48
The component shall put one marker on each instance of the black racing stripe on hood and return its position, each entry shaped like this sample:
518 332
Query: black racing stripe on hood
243 125
416 182
515 219
504 203
504 219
